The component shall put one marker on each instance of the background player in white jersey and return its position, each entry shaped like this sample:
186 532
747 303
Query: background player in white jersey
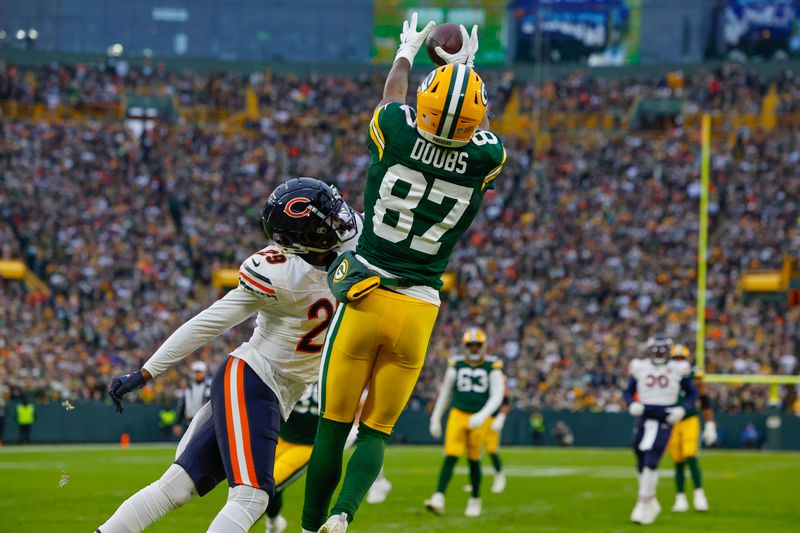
652 395
235 436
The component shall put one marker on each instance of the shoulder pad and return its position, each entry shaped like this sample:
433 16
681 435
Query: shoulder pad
497 364
258 271
453 360
634 366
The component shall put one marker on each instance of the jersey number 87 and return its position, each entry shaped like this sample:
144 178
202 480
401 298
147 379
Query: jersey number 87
414 181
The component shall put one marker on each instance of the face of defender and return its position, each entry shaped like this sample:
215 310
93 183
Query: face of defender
659 353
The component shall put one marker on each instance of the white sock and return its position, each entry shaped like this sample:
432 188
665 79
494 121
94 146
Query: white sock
351 437
169 492
381 476
244 507
648 480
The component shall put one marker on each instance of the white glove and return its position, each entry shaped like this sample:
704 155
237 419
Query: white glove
411 40
675 414
476 421
436 428
636 409
498 422
710 433
469 47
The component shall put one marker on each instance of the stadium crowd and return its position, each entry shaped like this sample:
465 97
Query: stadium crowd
582 252
727 87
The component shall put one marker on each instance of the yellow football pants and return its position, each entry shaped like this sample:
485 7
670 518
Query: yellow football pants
685 439
381 340
492 439
458 437
291 461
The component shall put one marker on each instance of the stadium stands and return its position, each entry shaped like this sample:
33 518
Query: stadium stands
584 249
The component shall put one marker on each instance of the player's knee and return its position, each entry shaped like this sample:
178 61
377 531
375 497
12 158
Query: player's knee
251 501
176 485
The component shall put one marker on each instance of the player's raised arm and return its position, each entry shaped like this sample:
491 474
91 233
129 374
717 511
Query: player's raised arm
396 87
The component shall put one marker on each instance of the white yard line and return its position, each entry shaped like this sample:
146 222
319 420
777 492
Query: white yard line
69 448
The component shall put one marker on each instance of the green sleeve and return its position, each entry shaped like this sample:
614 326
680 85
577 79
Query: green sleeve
496 160
384 123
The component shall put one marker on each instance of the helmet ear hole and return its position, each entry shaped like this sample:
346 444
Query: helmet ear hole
435 87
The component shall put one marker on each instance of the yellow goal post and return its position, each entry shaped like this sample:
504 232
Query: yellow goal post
773 380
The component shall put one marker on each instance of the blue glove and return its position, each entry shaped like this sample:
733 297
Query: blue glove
122 385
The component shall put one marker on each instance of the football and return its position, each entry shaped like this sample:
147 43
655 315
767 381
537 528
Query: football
448 36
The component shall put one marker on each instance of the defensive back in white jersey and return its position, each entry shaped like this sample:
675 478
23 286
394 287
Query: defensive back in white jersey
658 384
297 308
294 308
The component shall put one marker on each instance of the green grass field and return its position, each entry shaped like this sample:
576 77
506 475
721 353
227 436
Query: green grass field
548 490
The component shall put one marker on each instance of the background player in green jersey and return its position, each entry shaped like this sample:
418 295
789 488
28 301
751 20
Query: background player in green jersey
684 442
428 172
475 385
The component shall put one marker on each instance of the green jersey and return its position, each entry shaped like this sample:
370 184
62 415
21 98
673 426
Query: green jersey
471 388
694 411
421 197
301 427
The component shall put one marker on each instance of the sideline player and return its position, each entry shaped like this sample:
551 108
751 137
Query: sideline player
428 173
234 436
653 395
476 385
683 443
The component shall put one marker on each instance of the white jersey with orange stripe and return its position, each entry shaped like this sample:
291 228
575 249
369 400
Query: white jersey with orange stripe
293 308
291 324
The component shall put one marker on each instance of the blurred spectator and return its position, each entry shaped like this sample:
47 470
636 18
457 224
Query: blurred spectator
750 437
194 394
3 400
537 427
167 421
26 416
563 434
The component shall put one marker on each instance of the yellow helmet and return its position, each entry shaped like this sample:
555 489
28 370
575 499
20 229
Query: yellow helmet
451 103
475 341
679 350
474 336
